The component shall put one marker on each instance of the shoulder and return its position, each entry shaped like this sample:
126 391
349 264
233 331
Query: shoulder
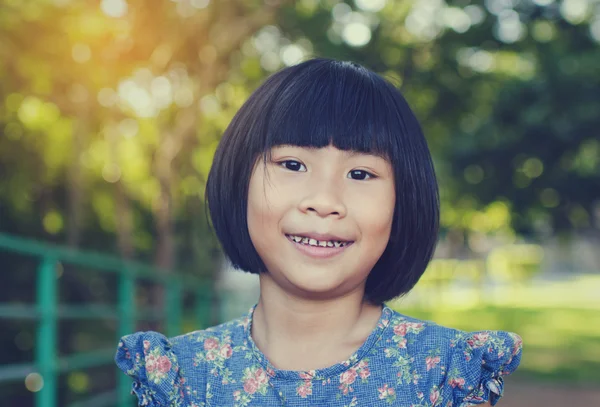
463 367
421 335
159 365
149 359
230 331
418 335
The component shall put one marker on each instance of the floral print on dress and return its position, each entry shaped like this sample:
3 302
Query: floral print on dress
155 369
387 393
216 351
360 371
304 388
404 362
157 365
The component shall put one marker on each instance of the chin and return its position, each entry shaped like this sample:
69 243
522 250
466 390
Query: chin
314 284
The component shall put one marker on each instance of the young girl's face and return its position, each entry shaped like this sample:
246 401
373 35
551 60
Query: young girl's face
303 202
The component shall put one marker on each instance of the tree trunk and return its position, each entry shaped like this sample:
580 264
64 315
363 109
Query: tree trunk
123 212
75 183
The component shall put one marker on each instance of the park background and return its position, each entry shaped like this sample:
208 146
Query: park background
110 111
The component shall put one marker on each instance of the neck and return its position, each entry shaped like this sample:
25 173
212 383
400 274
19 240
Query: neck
285 325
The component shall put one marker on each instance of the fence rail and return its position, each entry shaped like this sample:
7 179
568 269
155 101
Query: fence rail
47 312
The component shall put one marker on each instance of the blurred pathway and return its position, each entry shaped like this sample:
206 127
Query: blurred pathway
544 395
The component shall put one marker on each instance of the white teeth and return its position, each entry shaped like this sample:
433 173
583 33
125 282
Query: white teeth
317 243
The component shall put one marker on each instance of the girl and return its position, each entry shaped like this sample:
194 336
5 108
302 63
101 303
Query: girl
323 185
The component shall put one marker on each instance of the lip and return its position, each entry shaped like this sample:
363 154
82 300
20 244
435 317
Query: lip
319 252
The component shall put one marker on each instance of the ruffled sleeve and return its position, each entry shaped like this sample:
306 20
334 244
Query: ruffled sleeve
478 362
149 359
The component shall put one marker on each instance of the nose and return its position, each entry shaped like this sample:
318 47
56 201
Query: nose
324 201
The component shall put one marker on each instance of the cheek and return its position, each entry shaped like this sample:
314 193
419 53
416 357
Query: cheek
377 213
381 221
256 204
262 205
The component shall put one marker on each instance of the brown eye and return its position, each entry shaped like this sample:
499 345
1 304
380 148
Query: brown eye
360 175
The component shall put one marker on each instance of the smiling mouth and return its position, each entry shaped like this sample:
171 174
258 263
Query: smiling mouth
307 241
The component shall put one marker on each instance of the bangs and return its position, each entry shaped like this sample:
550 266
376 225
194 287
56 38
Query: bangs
341 104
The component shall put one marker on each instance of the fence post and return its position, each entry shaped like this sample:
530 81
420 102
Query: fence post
173 306
126 326
45 350
202 306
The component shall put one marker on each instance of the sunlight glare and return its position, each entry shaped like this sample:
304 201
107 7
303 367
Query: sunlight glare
575 11
370 5
356 34
199 3
114 8
292 54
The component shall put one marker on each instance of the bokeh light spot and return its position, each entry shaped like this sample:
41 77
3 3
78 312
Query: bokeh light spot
292 54
579 217
575 11
200 4
340 12
370 5
210 105
129 127
183 97
549 198
473 174
533 167
107 97
13 102
79 382
114 8
476 14
34 382
81 53
162 91
53 222
111 173
456 18
509 28
270 61
356 34
520 180
543 31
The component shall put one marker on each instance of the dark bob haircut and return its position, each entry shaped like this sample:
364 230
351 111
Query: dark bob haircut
314 104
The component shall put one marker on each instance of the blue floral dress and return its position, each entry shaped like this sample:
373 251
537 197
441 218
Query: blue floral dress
404 362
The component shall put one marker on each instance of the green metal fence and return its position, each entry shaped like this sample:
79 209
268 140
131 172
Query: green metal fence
48 311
